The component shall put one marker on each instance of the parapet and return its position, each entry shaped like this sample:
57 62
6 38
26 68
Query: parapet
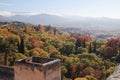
36 68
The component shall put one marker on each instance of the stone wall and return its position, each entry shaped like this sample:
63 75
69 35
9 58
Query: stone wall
52 71
36 68
6 73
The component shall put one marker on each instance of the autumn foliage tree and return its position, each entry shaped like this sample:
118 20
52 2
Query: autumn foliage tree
41 28
80 41
113 47
27 29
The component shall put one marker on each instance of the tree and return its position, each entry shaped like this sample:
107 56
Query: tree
21 46
15 56
27 29
102 51
88 71
42 29
90 48
55 31
77 44
38 52
112 47
80 79
84 43
89 77
6 44
64 71
48 28
67 48
81 50
34 41
94 47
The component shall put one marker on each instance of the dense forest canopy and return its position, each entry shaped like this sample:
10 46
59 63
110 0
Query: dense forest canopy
83 58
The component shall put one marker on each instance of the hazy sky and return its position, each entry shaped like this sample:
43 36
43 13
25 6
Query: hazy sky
92 8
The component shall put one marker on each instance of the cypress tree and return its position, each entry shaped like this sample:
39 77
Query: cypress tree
95 47
21 46
77 44
84 43
90 48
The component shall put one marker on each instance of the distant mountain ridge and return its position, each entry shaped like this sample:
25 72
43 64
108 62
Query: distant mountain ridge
3 19
61 21
38 19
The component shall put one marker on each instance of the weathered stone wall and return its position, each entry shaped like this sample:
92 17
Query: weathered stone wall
52 71
6 73
28 71
37 69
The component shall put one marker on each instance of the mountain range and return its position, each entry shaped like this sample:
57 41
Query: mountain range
90 23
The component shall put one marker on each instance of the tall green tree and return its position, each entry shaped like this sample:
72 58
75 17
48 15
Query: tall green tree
55 31
6 45
94 47
77 44
90 48
84 43
21 46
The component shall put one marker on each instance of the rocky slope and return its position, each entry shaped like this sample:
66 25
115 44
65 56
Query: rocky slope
115 75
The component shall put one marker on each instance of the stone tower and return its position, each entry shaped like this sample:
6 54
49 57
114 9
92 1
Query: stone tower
36 68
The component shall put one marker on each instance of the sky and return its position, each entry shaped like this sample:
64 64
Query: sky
87 8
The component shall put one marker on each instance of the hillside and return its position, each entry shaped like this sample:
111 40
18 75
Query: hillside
81 55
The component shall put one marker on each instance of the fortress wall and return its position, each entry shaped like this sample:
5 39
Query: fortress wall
26 71
52 71
36 68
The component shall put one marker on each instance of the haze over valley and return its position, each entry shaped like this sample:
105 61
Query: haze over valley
90 23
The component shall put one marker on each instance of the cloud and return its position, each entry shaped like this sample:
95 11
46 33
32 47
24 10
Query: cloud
5 4
5 13
29 13
12 13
